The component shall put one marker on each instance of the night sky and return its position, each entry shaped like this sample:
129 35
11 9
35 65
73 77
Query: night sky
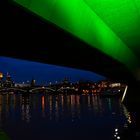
22 71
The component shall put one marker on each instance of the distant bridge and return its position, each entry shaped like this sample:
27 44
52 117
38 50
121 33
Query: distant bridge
12 89
66 89
25 89
36 89
42 88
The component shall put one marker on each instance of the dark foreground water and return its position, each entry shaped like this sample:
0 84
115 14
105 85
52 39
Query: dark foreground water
61 117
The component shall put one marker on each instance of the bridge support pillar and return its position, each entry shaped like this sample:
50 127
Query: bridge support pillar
132 98
132 103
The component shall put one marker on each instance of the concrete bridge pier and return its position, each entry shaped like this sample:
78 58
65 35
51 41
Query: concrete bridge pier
132 103
132 98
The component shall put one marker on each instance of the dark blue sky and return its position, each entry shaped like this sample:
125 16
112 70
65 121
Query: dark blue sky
21 70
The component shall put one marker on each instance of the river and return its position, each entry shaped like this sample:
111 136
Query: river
62 117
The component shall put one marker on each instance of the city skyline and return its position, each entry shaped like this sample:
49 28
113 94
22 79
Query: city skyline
22 71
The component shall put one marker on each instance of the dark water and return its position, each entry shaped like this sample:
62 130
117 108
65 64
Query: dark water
61 117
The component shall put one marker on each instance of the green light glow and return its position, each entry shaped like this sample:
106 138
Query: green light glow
122 16
80 18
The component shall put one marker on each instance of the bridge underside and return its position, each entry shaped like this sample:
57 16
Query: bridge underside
24 36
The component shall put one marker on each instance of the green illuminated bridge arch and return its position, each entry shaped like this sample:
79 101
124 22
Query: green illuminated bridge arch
106 26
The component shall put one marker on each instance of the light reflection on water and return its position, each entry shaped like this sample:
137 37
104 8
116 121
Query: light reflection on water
53 117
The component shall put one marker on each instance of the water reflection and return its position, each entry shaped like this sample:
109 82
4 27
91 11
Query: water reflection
43 106
121 128
80 116
25 109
